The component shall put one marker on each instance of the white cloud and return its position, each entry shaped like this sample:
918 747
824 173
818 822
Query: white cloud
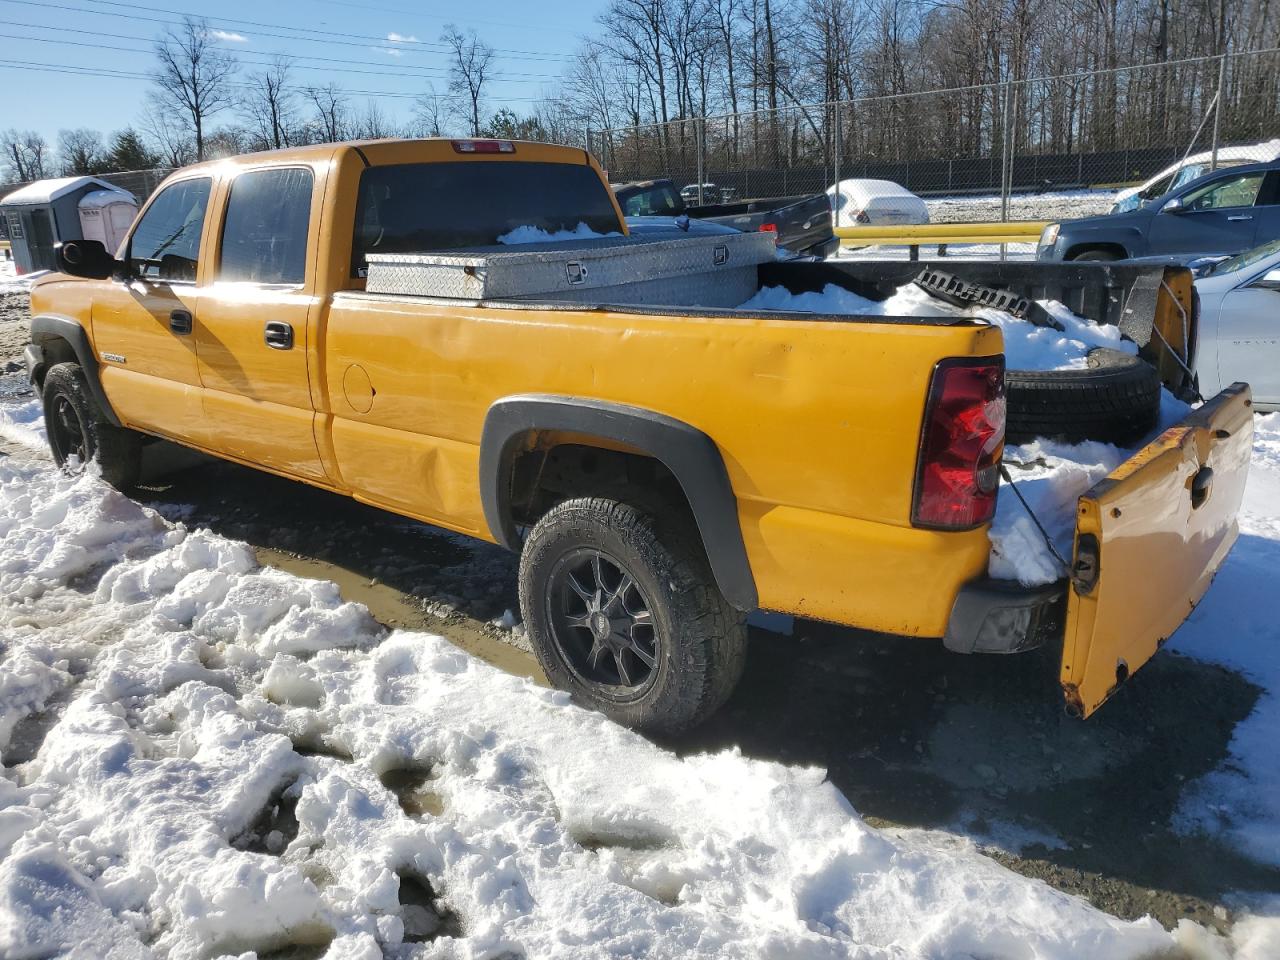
228 36
401 38
391 51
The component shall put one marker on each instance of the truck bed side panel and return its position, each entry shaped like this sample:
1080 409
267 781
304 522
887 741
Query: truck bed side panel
818 424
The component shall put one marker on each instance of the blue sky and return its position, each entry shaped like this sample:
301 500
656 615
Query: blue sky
394 46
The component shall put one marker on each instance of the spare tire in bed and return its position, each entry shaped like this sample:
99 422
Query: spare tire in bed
1116 399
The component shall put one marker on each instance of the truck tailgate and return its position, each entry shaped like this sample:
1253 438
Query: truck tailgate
1149 539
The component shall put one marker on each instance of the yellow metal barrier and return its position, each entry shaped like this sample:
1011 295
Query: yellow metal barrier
1020 231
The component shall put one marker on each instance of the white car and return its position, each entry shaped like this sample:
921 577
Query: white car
1240 325
1188 169
874 203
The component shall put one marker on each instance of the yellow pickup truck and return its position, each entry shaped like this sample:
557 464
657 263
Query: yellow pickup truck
662 471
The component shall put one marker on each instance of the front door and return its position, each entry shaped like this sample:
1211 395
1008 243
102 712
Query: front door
142 327
1218 217
251 342
1249 337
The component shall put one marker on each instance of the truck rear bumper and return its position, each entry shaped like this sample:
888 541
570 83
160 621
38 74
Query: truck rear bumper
1002 616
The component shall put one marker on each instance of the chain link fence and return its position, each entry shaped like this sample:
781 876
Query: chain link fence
1041 148
141 183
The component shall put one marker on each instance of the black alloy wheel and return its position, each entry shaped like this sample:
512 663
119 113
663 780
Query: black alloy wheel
602 623
68 437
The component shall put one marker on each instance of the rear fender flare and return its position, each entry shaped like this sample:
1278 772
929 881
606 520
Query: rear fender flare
46 328
692 457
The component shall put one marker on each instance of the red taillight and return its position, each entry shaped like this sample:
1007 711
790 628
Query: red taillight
484 146
958 473
770 228
17 268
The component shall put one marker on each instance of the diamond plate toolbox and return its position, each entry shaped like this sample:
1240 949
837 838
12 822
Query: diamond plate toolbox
718 270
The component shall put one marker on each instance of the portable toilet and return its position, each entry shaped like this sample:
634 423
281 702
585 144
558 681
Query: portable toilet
106 216
47 212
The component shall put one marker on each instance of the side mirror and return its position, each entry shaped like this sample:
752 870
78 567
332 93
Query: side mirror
1174 206
85 258
1268 281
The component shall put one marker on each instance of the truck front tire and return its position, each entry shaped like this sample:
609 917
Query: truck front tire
623 612
79 432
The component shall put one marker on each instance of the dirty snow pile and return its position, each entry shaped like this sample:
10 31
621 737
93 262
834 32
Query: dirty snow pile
532 234
205 757
1026 346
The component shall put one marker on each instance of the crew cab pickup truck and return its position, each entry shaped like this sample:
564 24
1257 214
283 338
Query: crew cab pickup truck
800 224
662 471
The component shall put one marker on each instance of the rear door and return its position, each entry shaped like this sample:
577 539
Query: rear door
1220 216
1149 539
251 340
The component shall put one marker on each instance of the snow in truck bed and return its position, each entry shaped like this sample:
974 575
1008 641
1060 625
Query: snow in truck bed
194 695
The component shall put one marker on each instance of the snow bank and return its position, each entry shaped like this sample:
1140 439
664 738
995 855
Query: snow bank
24 423
531 234
9 282
189 696
1027 347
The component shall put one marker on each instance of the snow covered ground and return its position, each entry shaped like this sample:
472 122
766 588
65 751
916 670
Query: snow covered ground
9 275
205 757
1051 205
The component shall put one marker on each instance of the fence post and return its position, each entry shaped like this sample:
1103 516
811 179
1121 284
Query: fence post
698 134
1004 158
836 199
1217 109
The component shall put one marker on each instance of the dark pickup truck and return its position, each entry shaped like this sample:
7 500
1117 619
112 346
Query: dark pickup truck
802 224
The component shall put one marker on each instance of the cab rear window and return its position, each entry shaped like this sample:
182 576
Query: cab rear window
416 207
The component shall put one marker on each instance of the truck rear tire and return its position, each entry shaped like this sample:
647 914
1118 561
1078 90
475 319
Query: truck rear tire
1116 399
623 612
79 431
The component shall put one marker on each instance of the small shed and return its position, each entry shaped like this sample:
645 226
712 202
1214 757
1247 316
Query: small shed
46 212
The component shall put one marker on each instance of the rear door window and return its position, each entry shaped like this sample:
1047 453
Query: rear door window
417 207
264 235
166 243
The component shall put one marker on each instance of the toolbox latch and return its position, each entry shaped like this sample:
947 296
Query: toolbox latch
720 256
575 271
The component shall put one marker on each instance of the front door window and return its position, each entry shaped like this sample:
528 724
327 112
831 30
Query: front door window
166 243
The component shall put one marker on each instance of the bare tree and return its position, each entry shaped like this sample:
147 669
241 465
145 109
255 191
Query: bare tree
330 104
469 70
427 112
80 152
270 104
25 154
372 124
193 77
167 136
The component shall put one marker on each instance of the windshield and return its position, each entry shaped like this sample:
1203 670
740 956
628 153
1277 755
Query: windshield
1242 261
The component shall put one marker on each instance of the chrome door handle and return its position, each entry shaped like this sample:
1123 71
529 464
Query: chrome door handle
278 335
1240 218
